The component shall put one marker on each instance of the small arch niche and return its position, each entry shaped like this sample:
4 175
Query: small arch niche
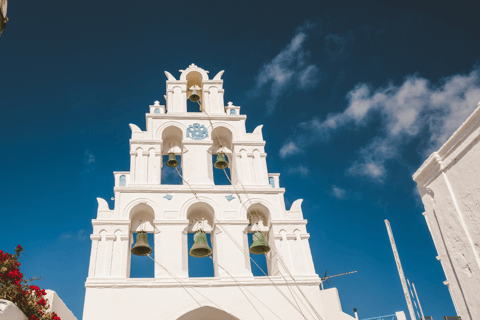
222 142
194 79
258 215
200 216
142 216
172 142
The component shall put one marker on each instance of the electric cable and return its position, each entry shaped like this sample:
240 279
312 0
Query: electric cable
239 287
183 286
236 243
258 216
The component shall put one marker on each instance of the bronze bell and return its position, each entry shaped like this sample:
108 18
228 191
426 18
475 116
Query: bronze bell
141 247
221 163
172 160
194 97
200 248
259 245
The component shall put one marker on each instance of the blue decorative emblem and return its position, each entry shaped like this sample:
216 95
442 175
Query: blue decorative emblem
230 197
197 132
123 181
156 110
271 181
168 197
232 111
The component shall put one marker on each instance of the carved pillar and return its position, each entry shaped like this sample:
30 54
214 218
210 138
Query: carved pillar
158 167
93 255
109 254
133 157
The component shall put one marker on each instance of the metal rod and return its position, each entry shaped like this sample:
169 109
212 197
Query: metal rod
418 301
400 272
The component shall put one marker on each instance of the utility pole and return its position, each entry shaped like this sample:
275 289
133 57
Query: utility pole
400 272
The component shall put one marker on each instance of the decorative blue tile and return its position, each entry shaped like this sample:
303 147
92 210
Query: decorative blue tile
123 181
168 197
230 197
156 110
232 111
197 132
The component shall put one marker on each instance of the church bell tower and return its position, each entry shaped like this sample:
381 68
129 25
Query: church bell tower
222 218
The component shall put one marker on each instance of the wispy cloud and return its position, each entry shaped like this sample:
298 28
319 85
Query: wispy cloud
338 193
89 160
80 235
300 169
288 68
416 108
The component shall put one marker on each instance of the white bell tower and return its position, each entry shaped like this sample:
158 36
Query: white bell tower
253 202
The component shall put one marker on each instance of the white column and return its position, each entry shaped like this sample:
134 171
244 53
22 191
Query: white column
308 253
109 254
145 166
169 248
301 263
152 174
125 257
158 167
237 169
197 163
228 254
93 255
133 157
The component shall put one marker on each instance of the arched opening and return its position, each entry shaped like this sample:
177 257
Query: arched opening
200 217
209 313
172 144
258 215
142 217
222 144
194 81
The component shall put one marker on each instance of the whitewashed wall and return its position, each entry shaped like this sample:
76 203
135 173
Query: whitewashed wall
449 184
168 210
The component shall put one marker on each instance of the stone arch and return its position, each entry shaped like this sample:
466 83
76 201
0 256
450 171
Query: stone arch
190 310
194 203
226 126
141 203
172 136
162 128
194 68
262 206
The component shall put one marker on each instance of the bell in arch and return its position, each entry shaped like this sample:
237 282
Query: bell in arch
194 97
259 245
200 248
221 162
172 160
141 247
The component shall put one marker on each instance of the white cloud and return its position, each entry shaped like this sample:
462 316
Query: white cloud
288 149
288 68
89 160
300 169
416 108
339 193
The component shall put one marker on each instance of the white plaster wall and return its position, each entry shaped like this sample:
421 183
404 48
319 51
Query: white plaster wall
161 301
9 311
58 306
449 184
110 290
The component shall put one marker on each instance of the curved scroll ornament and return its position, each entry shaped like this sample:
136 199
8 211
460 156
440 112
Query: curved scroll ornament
197 132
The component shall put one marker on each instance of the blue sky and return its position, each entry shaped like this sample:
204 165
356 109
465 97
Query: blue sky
353 97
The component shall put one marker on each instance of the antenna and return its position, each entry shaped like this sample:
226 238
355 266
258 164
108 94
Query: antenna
327 279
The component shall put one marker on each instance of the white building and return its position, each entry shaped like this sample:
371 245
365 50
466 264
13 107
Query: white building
254 201
449 184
